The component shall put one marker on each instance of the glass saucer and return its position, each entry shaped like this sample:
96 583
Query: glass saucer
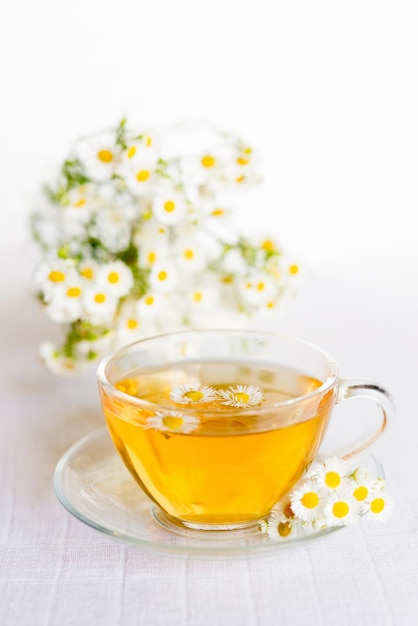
92 483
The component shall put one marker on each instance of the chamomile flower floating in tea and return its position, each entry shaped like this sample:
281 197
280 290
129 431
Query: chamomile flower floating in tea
193 393
175 422
241 396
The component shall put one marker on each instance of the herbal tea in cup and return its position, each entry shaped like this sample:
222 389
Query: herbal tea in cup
217 426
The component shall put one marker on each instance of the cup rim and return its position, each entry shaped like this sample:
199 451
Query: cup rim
201 410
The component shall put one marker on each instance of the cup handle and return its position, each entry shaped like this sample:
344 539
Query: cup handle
363 388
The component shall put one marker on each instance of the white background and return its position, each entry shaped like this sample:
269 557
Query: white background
327 92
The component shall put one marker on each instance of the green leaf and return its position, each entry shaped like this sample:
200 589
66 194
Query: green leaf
121 134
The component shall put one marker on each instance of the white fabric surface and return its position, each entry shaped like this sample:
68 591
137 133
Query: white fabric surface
56 571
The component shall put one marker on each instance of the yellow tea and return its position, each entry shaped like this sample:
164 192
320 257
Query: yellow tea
212 442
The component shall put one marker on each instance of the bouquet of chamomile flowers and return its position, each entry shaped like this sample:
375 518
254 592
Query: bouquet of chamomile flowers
137 236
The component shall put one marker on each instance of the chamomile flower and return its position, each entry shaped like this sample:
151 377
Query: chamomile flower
362 486
331 474
379 505
191 253
53 276
151 305
78 205
60 364
283 508
341 509
88 270
100 155
257 287
99 304
140 172
192 393
174 422
66 304
241 396
169 206
130 327
116 277
282 528
308 500
163 276
199 296
271 306
155 250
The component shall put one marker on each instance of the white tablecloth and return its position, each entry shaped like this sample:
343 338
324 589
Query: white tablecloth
56 571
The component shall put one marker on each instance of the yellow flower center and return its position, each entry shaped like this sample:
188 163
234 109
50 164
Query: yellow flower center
242 161
240 396
310 500
260 286
188 254
227 279
162 275
80 203
332 479
340 509
169 206
197 296
152 257
56 277
268 245
149 300
248 150
284 529
100 298
105 156
293 269
208 161
73 292
270 305
217 212
131 152
131 324
142 176
113 278
172 422
377 505
361 493
87 272
194 395
240 179
148 142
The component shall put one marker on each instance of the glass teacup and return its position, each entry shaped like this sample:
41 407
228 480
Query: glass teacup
217 426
